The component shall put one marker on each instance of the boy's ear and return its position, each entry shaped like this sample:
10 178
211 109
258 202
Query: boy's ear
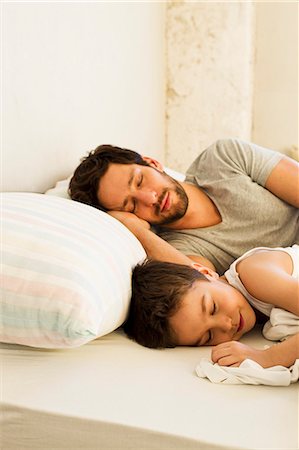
209 273
153 163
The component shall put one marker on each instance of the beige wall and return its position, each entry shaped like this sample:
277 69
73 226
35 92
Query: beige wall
275 112
209 76
232 71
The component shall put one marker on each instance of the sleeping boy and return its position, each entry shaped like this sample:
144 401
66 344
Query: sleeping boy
174 304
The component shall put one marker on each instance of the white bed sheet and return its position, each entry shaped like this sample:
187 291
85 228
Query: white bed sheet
114 394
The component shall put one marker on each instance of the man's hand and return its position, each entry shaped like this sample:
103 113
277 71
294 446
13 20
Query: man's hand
130 220
155 247
233 353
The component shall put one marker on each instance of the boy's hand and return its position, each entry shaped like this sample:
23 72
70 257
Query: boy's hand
233 353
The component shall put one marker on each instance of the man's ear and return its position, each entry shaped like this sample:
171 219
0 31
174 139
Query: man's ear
153 163
209 273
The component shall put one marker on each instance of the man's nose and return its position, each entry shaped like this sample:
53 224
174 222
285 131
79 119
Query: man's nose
147 198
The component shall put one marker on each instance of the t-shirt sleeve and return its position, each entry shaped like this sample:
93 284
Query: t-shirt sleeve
233 156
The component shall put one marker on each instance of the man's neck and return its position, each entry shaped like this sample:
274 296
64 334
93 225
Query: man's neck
201 211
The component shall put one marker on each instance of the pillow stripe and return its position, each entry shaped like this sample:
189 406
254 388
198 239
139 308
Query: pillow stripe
66 272
47 340
56 273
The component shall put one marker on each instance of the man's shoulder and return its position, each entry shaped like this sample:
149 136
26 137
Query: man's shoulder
224 149
230 149
233 156
223 153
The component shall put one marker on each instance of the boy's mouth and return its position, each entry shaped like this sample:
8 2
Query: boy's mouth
241 324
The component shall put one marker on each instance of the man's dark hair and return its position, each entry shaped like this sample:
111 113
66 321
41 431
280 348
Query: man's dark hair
157 291
84 184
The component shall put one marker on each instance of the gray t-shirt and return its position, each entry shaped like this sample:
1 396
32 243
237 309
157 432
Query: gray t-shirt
232 173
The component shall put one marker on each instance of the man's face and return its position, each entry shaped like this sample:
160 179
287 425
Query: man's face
145 191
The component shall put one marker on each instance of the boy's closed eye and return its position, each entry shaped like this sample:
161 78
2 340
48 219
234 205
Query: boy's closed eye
210 334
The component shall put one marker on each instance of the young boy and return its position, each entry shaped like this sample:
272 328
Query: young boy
174 304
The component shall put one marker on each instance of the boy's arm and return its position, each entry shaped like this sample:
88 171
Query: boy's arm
232 353
155 247
267 276
284 353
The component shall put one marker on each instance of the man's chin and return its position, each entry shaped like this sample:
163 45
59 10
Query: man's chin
164 221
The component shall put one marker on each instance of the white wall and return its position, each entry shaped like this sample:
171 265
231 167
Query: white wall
275 113
76 75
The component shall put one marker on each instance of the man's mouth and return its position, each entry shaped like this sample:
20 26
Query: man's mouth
241 324
165 204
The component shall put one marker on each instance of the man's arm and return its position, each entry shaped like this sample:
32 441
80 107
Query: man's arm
155 247
283 181
203 261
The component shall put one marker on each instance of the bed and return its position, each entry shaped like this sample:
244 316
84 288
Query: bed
78 381
112 393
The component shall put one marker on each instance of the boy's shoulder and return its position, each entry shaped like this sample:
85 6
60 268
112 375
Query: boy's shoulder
264 259
266 274
251 270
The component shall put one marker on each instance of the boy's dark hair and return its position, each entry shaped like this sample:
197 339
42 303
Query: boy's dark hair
84 184
157 291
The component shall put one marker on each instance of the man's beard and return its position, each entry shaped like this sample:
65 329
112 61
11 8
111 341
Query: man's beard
180 208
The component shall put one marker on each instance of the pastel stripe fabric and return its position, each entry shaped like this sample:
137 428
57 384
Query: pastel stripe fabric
65 271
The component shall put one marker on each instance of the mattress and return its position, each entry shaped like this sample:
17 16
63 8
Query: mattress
114 394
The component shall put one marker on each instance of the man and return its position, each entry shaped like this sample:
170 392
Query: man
236 196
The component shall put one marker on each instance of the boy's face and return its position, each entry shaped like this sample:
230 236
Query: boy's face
210 313
146 191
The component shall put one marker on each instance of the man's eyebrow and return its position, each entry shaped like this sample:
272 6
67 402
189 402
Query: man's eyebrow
125 202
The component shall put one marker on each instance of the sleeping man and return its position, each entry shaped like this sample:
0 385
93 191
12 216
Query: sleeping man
236 196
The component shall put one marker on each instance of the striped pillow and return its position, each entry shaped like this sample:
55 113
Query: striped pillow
66 271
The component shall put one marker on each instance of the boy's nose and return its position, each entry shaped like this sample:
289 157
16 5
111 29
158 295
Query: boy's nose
225 323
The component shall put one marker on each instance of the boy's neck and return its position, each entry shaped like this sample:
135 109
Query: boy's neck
223 278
